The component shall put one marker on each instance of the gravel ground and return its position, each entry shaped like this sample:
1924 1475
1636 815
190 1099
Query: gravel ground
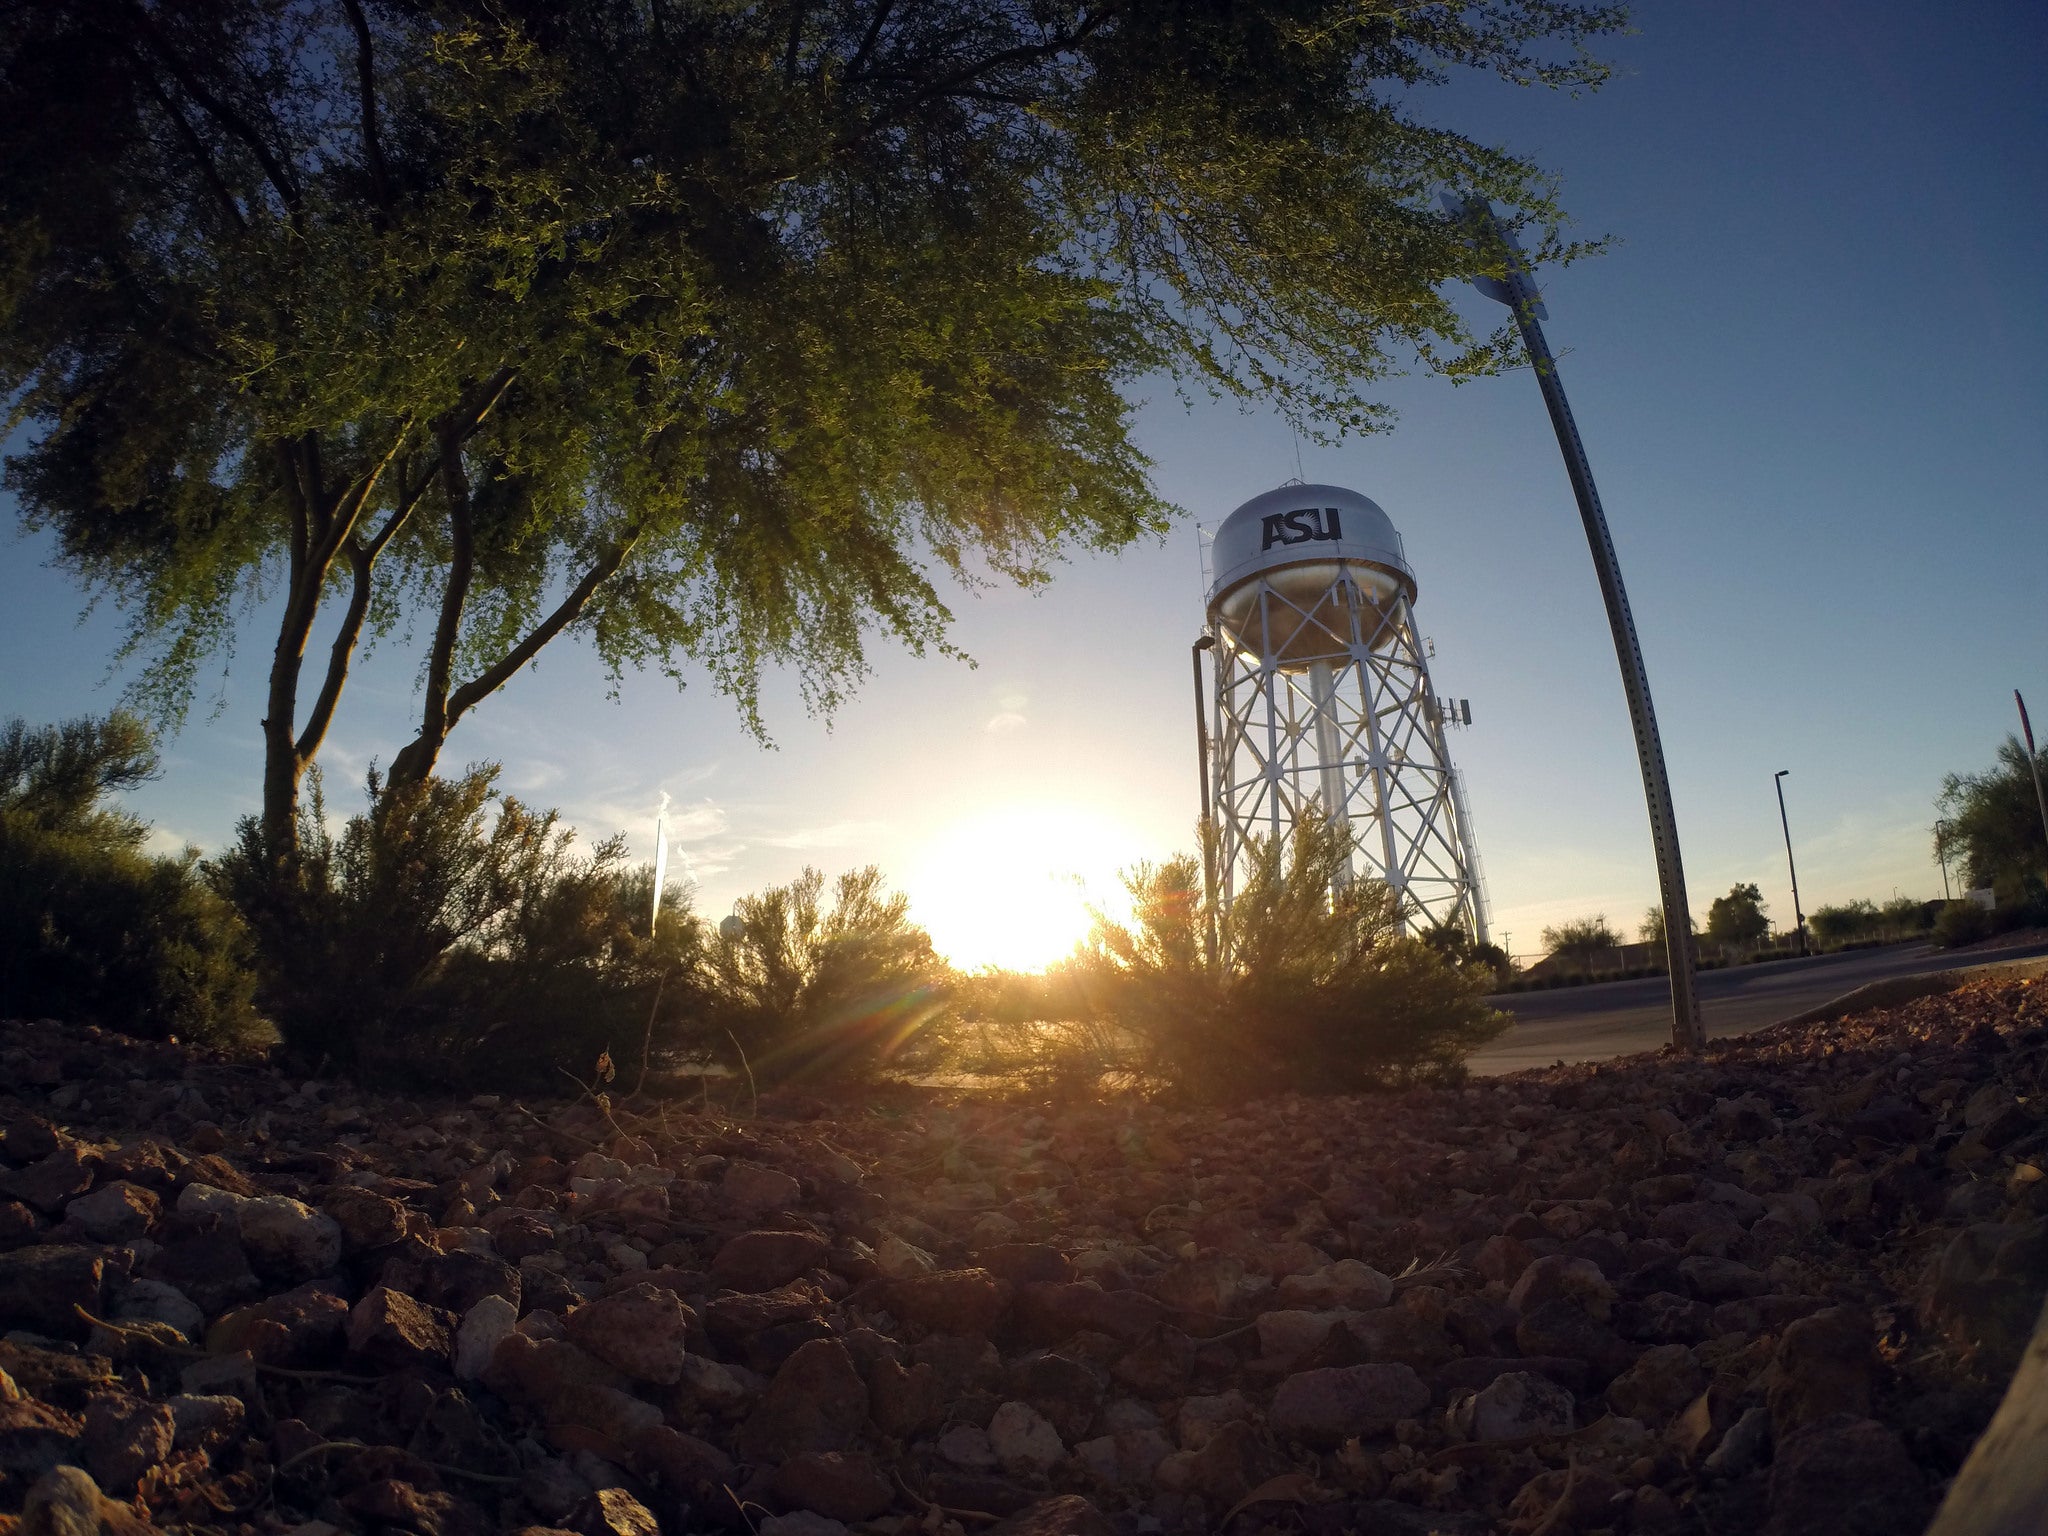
1775 1288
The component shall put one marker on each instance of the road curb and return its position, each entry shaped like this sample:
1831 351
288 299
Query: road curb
1894 990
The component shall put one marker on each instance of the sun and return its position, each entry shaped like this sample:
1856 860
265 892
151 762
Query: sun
1012 887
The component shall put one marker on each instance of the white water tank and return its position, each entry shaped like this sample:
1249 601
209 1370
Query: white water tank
1297 542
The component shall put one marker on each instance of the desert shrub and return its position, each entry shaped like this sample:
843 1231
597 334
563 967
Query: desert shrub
93 929
1314 988
1963 922
798 990
451 934
1844 923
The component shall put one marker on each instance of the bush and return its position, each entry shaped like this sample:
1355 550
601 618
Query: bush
1314 987
1962 922
92 929
800 991
435 942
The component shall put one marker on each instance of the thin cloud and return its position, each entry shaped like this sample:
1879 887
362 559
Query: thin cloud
1007 721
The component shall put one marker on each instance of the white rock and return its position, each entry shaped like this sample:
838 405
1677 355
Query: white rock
152 1301
1024 1440
1521 1403
288 1238
900 1260
196 1199
484 1327
965 1446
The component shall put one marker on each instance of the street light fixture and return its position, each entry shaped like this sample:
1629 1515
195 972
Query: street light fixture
1518 292
1798 917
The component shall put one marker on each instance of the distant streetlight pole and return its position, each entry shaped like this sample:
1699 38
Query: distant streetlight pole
1519 293
2033 762
1941 853
1798 917
1202 644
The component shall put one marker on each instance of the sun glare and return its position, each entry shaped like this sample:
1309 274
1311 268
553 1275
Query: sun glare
1013 887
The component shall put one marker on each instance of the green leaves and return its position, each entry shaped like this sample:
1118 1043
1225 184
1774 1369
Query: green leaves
747 323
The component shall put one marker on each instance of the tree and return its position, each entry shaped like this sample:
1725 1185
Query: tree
696 328
1738 918
93 929
1992 821
1581 938
1651 929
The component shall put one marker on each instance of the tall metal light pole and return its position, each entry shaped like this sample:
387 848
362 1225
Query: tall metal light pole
2033 761
1208 838
1519 293
1798 917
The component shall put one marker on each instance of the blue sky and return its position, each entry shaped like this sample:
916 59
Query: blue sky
1811 378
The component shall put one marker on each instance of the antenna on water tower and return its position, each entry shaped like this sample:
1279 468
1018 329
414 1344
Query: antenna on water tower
1323 700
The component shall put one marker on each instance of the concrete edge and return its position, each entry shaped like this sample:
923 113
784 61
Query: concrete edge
1894 990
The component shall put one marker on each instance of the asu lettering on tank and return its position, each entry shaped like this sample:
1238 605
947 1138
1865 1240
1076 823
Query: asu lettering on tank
1309 525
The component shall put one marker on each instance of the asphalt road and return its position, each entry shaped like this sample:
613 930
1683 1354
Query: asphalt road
1620 1017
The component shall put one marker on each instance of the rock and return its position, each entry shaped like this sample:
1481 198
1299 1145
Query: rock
599 1419
42 1289
1661 1382
1579 1498
802 1522
1845 1476
393 1503
615 1512
641 1331
751 1190
1712 1279
115 1213
905 1402
1563 1328
287 1240
1289 1334
153 1301
34 1436
1517 1405
761 1261
816 1402
205 1422
1402 1335
1987 1287
967 1446
682 1462
1348 1284
1159 1368
1825 1365
65 1501
1744 1447
1024 1441
297 1328
55 1181
1326 1407
202 1256
1020 1263
837 1484
1068 1392
1558 1276
1067 1515
1502 1259
124 1437
966 1301
395 1331
484 1327
366 1220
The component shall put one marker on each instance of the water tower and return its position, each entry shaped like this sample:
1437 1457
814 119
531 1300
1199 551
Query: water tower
1323 700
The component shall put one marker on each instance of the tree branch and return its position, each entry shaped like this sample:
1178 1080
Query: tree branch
340 654
470 694
867 42
274 170
366 88
454 588
197 146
